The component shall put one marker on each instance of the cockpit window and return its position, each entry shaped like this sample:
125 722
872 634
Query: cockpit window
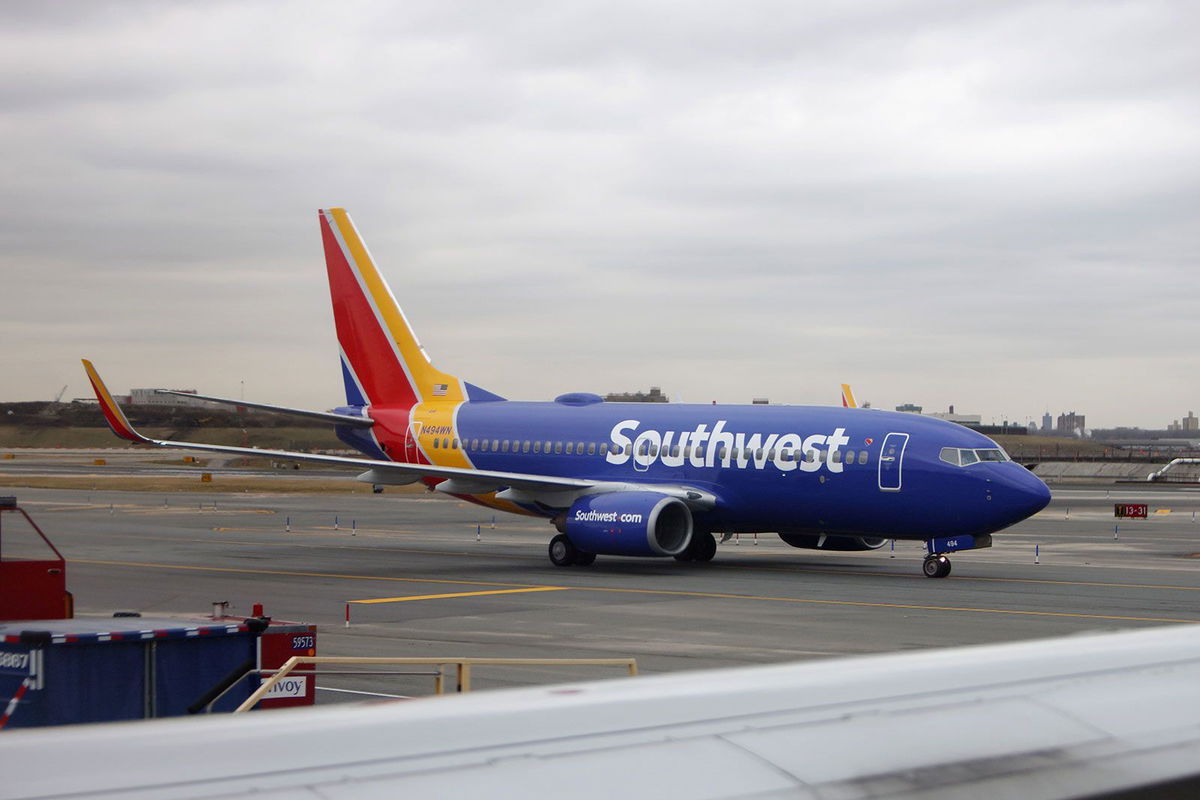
962 457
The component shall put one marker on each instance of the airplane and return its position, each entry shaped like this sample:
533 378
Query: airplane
1104 716
640 479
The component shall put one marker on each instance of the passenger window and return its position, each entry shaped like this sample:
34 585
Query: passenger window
474 444
721 451
495 445
862 456
591 448
558 448
734 453
546 448
525 446
849 456
484 448
968 457
435 443
504 446
758 454
454 444
603 448
835 456
537 447
579 448
570 448
771 454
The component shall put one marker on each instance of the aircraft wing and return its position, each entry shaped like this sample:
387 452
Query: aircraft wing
1113 715
463 481
319 416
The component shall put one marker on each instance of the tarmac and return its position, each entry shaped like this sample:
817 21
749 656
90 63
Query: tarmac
429 576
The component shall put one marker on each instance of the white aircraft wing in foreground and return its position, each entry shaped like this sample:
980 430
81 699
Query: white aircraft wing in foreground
1085 716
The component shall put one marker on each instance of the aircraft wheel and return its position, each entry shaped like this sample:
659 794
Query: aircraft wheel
585 559
936 567
562 552
704 548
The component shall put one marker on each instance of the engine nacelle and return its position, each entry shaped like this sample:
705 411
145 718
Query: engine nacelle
629 524
818 541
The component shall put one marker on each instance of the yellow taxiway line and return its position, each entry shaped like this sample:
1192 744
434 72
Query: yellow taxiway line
461 594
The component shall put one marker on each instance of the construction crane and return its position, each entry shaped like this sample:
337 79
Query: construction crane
61 392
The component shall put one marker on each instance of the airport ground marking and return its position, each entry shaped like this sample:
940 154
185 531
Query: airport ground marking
292 573
656 592
462 594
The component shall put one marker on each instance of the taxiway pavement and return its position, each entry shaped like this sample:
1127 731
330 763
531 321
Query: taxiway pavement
430 576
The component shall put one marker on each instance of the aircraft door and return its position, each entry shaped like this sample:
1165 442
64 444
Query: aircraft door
410 442
641 455
891 458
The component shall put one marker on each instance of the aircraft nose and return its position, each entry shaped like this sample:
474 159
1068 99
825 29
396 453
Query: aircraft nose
1024 494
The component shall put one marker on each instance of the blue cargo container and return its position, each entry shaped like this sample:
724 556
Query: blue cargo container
57 672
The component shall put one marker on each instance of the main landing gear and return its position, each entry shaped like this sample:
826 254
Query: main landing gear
702 547
563 553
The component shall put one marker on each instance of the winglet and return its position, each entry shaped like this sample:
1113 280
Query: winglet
848 397
112 412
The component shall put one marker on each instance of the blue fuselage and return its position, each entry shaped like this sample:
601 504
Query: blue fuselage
806 469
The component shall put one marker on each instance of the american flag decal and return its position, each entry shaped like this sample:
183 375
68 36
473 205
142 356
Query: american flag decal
439 389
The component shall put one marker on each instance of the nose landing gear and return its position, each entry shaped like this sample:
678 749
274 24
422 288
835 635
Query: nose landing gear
936 564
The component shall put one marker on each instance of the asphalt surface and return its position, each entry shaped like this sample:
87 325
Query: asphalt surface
430 576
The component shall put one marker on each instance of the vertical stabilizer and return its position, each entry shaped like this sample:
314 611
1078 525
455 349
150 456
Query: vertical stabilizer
382 361
848 397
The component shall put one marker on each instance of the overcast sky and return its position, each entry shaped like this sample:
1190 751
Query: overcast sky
988 204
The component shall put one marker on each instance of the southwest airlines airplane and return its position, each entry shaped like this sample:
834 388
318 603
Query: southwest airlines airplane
642 479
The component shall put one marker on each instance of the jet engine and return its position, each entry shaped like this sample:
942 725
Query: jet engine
628 524
819 541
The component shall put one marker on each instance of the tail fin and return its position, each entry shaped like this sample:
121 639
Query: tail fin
848 397
382 361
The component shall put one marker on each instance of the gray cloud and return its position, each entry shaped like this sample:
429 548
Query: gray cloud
985 204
